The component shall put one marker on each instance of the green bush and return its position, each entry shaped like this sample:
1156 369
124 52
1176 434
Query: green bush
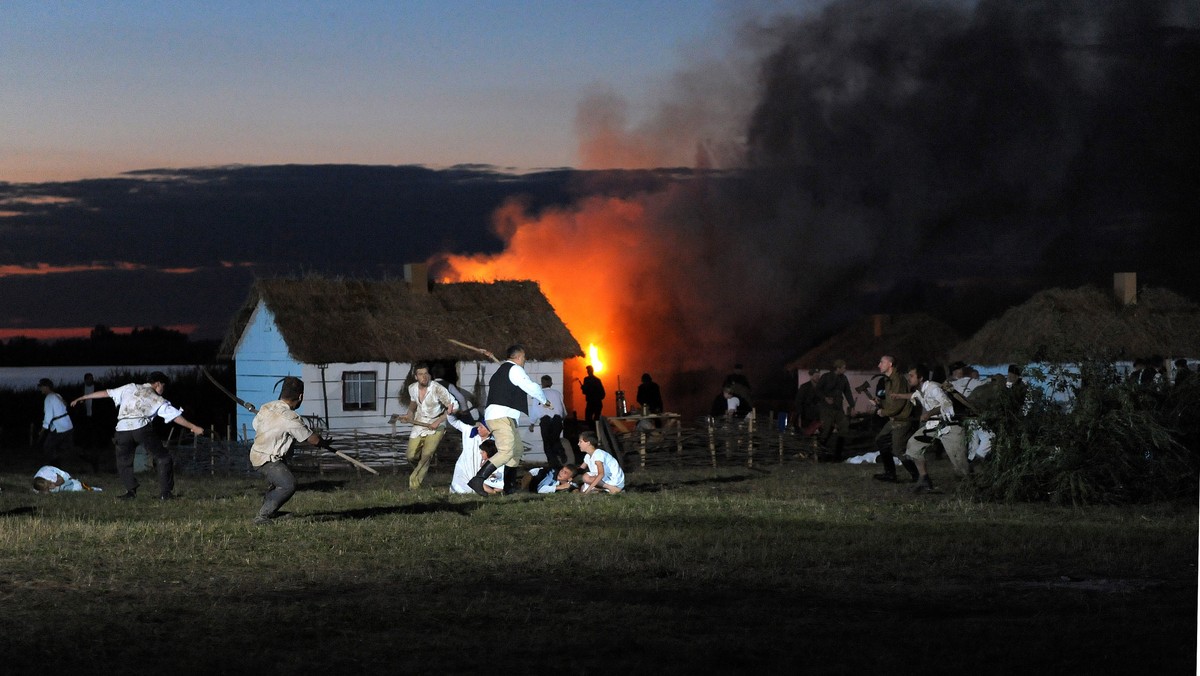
1107 442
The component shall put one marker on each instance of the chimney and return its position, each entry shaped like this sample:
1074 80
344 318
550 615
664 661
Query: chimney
877 323
1125 287
417 276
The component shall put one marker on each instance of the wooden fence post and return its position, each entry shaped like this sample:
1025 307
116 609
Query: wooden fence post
712 441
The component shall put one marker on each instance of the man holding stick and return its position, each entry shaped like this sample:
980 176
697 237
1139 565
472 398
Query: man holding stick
136 407
507 402
428 405
276 427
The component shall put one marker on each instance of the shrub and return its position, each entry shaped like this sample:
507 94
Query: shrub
1107 442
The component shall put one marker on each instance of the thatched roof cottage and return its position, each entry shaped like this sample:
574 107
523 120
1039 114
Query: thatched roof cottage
1070 323
353 342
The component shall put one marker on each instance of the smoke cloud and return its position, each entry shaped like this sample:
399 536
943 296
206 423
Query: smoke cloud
892 156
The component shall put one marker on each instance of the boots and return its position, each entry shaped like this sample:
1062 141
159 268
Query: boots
924 485
476 483
512 479
911 467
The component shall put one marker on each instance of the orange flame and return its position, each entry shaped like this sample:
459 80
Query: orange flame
579 257
594 358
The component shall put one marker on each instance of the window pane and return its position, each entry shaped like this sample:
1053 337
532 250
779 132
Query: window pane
358 390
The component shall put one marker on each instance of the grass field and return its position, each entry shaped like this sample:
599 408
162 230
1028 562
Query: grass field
792 568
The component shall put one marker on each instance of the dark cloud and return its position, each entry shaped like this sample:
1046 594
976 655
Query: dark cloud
272 220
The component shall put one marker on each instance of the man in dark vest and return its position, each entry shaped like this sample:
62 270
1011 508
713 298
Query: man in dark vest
506 402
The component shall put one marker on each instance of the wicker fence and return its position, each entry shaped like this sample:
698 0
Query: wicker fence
703 442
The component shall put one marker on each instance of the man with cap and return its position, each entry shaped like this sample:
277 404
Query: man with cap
57 430
137 404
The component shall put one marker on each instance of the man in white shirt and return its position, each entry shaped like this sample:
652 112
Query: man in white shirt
429 405
136 407
507 402
56 423
937 423
551 424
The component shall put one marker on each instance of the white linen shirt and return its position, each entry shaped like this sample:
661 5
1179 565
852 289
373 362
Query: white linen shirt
469 462
138 404
517 376
613 474
54 414
437 399
556 401
51 473
276 425
930 396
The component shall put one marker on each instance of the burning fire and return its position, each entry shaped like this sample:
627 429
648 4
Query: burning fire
619 276
594 359
582 258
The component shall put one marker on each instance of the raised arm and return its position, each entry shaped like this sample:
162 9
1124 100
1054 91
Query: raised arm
98 394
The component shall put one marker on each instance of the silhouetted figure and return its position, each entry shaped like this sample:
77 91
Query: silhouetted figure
649 395
593 395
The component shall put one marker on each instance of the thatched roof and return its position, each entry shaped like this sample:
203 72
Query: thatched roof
1066 323
910 338
339 321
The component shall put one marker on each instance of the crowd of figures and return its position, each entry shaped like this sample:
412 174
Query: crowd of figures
917 411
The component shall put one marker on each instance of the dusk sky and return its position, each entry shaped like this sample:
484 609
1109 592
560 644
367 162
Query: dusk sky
96 88
793 165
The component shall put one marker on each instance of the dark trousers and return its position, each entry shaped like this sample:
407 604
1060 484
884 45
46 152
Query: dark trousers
58 445
593 410
552 427
890 443
282 486
834 426
127 443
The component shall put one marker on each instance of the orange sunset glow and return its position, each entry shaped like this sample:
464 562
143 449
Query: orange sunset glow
59 333
47 269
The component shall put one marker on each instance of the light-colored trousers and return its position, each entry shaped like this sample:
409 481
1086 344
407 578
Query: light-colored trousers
420 454
509 448
953 440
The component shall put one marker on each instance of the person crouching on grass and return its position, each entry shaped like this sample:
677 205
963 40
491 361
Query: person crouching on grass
602 471
276 427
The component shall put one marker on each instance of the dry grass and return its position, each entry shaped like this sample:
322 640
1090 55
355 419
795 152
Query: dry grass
792 568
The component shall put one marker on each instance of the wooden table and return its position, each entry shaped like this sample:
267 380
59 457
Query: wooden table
629 423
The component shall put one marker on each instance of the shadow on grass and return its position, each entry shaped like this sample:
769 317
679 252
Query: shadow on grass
438 507
322 486
20 511
710 481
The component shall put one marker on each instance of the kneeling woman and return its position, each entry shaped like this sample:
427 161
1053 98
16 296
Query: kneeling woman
602 470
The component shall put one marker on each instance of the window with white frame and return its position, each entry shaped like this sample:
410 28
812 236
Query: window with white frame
358 391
